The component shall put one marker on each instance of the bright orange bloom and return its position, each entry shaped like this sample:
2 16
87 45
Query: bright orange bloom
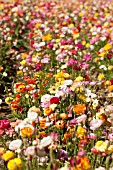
110 88
83 163
79 109
60 124
27 132
47 111
1 68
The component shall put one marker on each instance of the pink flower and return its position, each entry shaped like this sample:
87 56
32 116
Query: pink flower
92 136
81 153
87 57
95 124
30 151
71 61
81 118
45 60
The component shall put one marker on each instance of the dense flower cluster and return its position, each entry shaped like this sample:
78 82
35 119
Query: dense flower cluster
62 99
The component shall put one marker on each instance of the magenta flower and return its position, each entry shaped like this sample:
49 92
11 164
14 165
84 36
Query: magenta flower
87 57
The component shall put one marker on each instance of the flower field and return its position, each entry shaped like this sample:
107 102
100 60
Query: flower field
56 76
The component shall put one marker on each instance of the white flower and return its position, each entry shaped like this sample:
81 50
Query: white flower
4 74
32 116
0 101
46 141
45 98
15 144
68 82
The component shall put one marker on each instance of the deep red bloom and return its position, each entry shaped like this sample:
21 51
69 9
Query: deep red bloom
111 81
54 100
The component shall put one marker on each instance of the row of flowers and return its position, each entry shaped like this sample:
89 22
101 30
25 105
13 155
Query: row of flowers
62 100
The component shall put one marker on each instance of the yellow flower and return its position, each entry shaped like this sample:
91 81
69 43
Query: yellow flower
110 149
83 42
82 97
57 40
79 78
8 100
8 155
80 14
79 89
48 37
71 25
19 72
14 164
87 45
107 47
101 146
101 76
23 62
102 54
81 132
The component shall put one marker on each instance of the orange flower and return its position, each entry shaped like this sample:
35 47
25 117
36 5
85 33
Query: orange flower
21 88
47 111
42 134
64 116
67 136
49 75
42 121
83 163
1 68
110 88
79 109
27 131
43 124
60 124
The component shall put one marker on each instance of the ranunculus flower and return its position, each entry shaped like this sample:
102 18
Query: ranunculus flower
32 116
4 124
15 144
30 151
54 100
46 141
81 153
81 118
95 124
62 155
87 57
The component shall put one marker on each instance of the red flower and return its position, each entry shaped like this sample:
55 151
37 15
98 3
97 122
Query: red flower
54 100
111 81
